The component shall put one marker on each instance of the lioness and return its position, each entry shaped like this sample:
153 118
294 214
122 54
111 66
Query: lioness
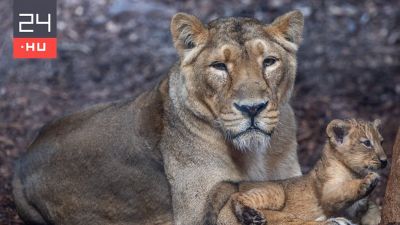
342 176
222 113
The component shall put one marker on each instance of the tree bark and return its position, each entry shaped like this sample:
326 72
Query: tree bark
391 206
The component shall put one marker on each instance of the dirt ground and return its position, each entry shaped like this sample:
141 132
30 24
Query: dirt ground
108 50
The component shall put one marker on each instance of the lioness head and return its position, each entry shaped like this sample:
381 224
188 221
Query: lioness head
358 144
237 72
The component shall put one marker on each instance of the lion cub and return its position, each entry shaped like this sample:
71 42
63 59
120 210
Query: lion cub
340 178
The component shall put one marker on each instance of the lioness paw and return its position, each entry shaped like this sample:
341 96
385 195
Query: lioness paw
368 184
339 221
252 217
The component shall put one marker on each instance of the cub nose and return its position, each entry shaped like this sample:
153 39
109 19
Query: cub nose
383 163
251 110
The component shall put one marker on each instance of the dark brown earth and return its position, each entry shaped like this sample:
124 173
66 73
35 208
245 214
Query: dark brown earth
109 50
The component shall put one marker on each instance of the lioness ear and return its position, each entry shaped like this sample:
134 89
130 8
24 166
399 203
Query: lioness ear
377 123
187 32
337 130
290 26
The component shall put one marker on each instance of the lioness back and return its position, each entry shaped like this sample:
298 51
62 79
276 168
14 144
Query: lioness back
83 163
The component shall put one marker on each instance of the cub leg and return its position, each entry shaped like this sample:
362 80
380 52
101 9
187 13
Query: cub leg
338 196
270 196
368 184
247 204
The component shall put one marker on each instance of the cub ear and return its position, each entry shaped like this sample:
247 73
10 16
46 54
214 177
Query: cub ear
187 32
377 123
290 26
337 130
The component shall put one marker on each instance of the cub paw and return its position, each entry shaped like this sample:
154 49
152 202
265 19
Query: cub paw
252 217
338 221
369 183
372 216
371 220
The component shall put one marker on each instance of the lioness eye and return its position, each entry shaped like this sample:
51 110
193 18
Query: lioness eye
219 66
269 61
367 143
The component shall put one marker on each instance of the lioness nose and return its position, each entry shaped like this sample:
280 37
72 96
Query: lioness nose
251 110
383 163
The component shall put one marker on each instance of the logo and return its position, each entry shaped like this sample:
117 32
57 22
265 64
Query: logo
35 29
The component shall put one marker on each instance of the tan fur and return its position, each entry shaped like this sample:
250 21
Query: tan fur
155 159
340 178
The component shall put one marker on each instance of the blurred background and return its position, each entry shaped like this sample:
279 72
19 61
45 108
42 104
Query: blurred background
112 49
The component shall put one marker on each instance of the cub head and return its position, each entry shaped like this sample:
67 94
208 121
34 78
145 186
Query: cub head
236 73
358 144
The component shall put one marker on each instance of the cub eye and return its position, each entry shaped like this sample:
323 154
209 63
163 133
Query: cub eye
219 66
367 143
269 61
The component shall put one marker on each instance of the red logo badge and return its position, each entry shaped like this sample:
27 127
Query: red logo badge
45 48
